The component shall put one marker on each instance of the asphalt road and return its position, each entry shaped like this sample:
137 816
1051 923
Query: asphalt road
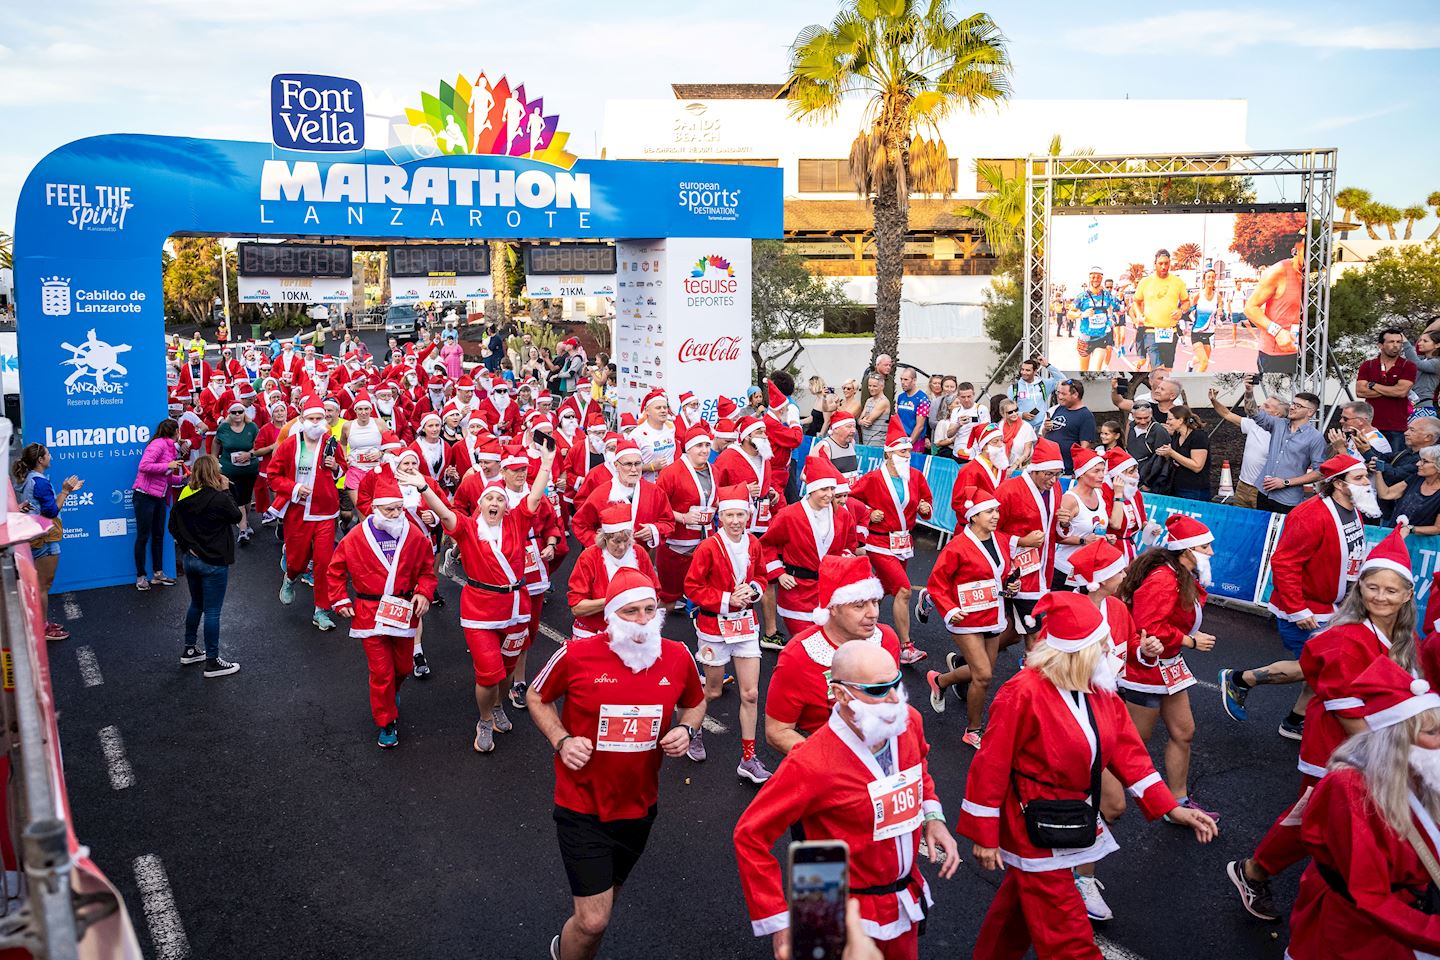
285 832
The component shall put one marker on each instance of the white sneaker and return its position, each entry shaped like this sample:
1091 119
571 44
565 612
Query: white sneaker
1095 906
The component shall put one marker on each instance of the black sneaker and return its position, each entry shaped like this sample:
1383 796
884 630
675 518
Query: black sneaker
773 641
517 694
1255 895
1292 731
437 601
244 538
220 667
923 606
422 669
192 655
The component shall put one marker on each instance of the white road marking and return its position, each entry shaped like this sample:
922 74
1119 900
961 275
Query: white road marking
72 607
166 930
552 633
89 667
713 725
1113 951
121 774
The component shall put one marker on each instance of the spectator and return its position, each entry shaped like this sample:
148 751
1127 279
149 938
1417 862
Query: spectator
949 391
1426 357
1070 421
875 415
936 389
963 413
1296 450
1144 436
1156 389
1018 435
1417 498
884 365
453 356
826 403
1257 441
160 469
1189 451
850 400
235 442
392 350
494 350
201 525
912 406
1405 464
36 495
1112 435
1385 380
534 364
1357 429
1035 388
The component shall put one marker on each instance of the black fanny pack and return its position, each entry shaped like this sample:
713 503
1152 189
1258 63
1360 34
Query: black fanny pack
1066 824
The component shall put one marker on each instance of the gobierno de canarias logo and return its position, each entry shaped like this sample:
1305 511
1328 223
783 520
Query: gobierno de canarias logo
481 117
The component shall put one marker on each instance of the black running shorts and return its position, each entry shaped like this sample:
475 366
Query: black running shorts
599 854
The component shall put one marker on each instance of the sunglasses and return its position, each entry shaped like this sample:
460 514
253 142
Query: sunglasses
874 689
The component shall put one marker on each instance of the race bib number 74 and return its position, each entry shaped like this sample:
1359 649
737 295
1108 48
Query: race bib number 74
628 728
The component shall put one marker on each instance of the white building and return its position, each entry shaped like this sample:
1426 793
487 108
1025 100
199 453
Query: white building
948 265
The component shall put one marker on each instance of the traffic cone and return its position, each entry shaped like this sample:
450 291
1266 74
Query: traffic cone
1227 485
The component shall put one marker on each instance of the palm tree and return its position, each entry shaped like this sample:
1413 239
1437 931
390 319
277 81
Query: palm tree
1186 256
500 277
917 63
1368 213
1136 272
1386 215
1410 214
1349 199
1434 202
7 251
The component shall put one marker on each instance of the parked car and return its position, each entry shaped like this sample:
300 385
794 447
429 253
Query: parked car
400 322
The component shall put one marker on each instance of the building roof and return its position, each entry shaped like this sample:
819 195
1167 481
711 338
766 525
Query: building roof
853 216
727 91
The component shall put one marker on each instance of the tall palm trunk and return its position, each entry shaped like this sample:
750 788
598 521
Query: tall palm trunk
892 226
500 278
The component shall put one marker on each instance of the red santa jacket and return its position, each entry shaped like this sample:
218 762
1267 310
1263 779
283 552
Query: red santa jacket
967 582
681 485
785 438
732 466
793 546
410 573
598 476
365 499
1159 611
831 785
1311 568
1023 510
1034 748
799 690
980 475
323 503
1331 660
544 524
505 424
191 382
590 579
295 367
431 469
648 508
713 576
1132 519
494 596
1376 917
891 534
209 404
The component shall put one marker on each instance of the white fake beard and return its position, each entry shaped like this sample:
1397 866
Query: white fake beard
610 459
1202 570
878 722
1125 487
437 394
314 431
386 409
762 447
901 464
1426 765
637 645
1103 677
619 493
997 456
391 525
1364 499
567 427
596 444
501 401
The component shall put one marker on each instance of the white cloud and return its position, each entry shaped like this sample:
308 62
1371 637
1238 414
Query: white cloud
1225 32
1345 120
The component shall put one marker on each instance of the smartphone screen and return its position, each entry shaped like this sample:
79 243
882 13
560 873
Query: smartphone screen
819 888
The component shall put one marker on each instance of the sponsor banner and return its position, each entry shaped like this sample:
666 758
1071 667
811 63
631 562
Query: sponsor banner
571 285
9 364
1241 535
640 312
295 289
1424 561
438 289
316 114
940 474
706 294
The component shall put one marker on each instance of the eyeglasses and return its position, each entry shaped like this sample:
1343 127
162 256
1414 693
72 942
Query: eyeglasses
874 689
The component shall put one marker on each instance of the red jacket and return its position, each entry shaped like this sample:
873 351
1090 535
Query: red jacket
412 573
973 474
731 467
649 509
323 503
590 578
962 572
682 488
1310 567
799 690
791 541
1023 510
891 534
1331 660
1159 612
712 578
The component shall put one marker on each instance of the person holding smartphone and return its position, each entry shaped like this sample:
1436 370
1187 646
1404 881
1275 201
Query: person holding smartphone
862 778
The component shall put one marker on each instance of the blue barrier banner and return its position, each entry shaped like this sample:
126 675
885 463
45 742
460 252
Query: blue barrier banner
1424 554
1240 541
940 473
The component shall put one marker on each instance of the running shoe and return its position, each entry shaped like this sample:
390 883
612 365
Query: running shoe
287 591
752 770
451 568
696 750
388 736
484 737
499 720
164 580
962 689
141 583
1255 895
244 538
220 667
772 641
191 655
937 693
555 948
517 694
1292 731
322 620
1232 695
267 518
53 631
308 579
911 654
971 739
1095 906
923 605
728 679
422 669
1192 805
952 661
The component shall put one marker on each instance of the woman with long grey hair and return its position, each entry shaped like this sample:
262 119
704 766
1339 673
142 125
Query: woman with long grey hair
1375 620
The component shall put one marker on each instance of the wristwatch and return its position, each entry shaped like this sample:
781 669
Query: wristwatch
1285 482
689 730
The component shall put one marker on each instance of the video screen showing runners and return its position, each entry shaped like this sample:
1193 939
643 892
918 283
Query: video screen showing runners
1193 292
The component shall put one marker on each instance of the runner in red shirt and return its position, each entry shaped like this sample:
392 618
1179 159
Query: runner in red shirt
621 688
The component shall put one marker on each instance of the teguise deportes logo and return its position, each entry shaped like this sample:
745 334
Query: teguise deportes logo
711 283
94 361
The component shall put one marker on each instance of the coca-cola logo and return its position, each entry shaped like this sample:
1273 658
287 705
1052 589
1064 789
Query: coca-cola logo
710 351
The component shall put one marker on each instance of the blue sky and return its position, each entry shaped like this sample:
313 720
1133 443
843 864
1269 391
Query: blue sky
1358 77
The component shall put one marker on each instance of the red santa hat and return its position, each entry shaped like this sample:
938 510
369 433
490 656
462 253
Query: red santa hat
243 390
626 445
1072 622
983 434
687 438
489 450
1183 532
628 421
499 385
725 429
236 407
733 497
1385 694
217 375
176 402
845 580
363 397
895 436
1086 460
1097 561
465 383
407 453
749 425
774 395
725 407
651 397
839 418
976 501
514 458
1117 461
387 490
1339 465
687 398
311 404
819 474
616 517
432 415
1390 554
626 587
544 396
389 441
1045 455
595 418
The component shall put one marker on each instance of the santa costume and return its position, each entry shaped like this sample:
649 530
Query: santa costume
1027 509
1118 488
657 444
783 427
1319 553
889 541
798 538
595 566
1095 563
687 489
495 602
736 466
648 506
968 580
980 471
723 629
1159 611
1090 518
309 522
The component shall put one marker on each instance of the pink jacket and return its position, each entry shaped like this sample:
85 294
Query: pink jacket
154 476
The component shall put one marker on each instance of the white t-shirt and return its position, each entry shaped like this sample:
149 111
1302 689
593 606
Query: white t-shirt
1257 449
654 445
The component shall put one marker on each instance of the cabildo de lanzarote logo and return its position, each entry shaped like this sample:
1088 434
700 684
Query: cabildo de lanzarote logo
481 117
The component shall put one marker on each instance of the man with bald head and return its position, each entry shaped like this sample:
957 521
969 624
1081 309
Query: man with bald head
869 757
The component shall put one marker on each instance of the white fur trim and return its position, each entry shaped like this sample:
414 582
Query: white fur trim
757 425
628 597
1102 575
1075 646
867 589
820 484
1402 711
821 615
616 527
733 505
1196 541
1385 563
696 438
980 507
1046 465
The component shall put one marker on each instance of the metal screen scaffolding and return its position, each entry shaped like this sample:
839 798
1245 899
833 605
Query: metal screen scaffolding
1312 171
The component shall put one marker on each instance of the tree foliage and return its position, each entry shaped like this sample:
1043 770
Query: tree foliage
1004 319
192 280
1400 286
7 251
787 303
1264 238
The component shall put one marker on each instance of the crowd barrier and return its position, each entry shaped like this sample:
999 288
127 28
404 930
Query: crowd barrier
1244 538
